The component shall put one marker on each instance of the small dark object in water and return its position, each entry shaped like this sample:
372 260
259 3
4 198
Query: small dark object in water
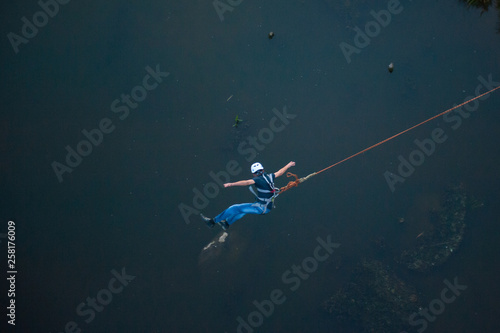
391 67
271 35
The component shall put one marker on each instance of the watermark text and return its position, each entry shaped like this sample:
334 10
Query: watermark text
293 279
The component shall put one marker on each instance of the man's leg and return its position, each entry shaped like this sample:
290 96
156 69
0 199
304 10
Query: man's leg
236 212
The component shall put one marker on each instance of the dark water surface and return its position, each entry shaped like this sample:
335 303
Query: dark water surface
117 212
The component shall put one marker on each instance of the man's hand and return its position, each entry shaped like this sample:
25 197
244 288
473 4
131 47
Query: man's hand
283 169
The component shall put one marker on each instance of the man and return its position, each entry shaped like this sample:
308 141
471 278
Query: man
266 193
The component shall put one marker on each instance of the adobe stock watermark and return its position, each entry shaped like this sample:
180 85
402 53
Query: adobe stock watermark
372 29
437 306
292 278
91 305
427 147
249 149
222 6
29 29
120 106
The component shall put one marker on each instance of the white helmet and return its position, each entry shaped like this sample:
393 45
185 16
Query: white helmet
256 167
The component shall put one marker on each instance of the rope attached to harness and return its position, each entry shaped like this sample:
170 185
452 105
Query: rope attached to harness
298 180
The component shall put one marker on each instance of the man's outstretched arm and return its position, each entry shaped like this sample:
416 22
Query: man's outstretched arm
283 169
240 183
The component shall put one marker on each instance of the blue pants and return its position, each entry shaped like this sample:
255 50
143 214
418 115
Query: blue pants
236 212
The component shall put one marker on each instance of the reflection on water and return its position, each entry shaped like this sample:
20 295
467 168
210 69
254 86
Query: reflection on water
484 5
223 248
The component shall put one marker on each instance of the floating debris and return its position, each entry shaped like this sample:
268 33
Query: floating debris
227 100
213 249
237 121
222 238
209 245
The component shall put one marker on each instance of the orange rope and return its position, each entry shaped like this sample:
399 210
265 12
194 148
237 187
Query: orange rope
290 184
297 180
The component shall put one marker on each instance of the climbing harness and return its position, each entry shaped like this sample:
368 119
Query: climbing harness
272 189
298 180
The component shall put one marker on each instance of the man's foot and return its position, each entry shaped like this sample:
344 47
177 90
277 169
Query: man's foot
224 225
208 221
